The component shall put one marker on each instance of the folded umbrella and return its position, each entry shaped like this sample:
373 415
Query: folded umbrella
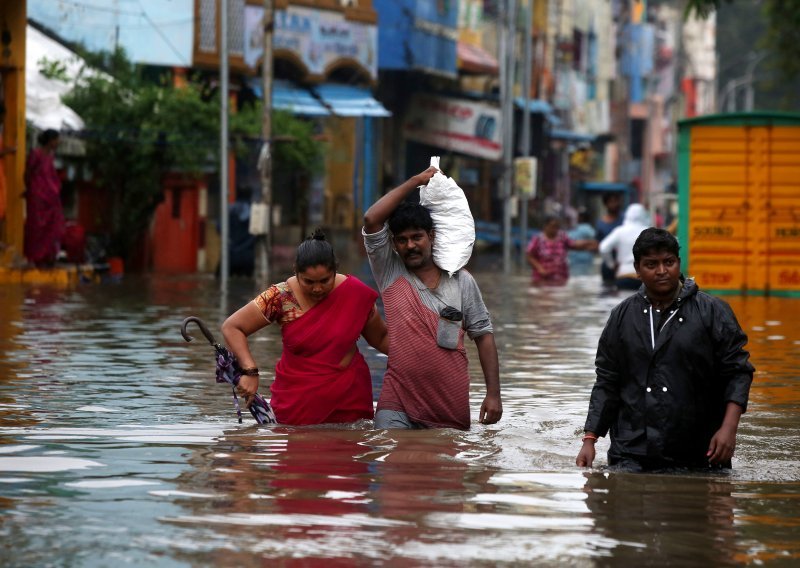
228 371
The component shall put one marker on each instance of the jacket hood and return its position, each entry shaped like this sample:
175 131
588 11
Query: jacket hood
636 214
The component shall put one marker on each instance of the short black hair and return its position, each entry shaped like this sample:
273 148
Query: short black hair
655 240
46 136
410 216
315 251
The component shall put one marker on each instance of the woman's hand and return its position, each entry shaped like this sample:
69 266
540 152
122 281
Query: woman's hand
247 388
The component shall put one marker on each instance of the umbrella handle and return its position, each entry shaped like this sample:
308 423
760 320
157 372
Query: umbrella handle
202 327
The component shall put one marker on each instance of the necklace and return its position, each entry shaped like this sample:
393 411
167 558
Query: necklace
438 279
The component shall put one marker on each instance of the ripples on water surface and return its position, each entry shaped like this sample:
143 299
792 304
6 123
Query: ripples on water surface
119 449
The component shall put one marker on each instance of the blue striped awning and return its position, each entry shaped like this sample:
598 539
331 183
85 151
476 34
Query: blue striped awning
288 96
297 100
571 136
322 100
347 100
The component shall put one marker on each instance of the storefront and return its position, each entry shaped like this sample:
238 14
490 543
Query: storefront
467 135
325 66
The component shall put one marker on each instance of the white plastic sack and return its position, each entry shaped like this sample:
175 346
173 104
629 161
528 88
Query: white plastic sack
452 221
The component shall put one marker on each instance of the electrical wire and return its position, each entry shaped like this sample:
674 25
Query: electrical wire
142 14
98 8
163 35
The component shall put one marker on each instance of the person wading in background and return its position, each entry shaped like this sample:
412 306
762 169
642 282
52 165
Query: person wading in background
609 221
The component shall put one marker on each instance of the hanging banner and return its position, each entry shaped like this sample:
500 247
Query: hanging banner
463 126
525 177
317 37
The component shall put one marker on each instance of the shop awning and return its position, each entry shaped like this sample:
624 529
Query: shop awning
534 105
322 100
605 186
571 136
475 59
297 100
288 96
539 106
347 100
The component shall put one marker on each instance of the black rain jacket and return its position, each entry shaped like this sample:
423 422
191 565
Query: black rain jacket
664 403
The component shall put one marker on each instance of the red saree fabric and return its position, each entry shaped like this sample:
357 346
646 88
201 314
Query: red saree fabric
310 386
44 221
427 382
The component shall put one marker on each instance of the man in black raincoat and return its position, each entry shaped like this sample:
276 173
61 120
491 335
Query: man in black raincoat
673 376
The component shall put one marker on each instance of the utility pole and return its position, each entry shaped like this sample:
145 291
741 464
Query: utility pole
526 124
223 145
507 96
264 242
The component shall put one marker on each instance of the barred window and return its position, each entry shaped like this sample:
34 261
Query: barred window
208 26
236 27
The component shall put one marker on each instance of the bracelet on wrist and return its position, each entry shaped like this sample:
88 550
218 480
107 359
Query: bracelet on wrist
589 437
251 371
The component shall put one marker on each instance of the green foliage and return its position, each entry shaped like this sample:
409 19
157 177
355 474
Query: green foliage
53 69
295 148
136 131
702 8
783 30
783 34
741 35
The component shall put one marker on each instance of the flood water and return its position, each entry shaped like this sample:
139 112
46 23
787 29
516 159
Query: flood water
118 448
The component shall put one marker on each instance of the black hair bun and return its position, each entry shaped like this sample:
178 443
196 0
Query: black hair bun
318 234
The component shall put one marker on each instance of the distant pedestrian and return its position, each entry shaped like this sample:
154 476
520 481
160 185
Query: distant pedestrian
673 377
616 249
3 183
547 253
610 220
44 221
581 261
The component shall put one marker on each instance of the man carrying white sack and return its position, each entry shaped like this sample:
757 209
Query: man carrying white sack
426 384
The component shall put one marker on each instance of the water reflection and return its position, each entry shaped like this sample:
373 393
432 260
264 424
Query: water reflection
117 445
689 520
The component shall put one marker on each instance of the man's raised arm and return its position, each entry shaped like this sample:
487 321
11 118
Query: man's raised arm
380 211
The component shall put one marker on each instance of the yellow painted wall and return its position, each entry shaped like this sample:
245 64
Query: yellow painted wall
744 216
13 18
339 166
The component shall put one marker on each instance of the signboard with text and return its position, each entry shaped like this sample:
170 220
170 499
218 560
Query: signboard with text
317 37
468 127
741 230
525 177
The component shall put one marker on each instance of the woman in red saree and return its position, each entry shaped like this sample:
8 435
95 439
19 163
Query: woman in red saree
44 218
321 377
